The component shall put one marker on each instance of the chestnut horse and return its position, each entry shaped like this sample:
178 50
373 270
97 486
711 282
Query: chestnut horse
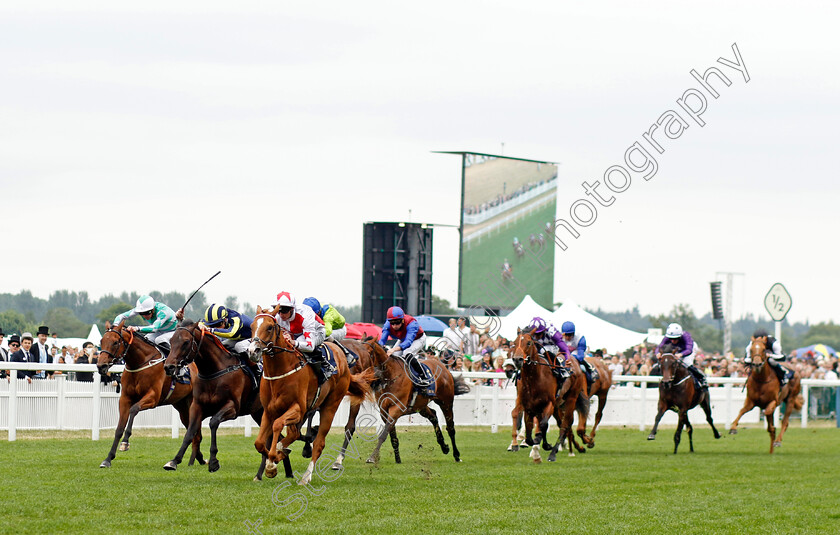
601 388
764 392
289 390
144 385
223 388
678 393
396 397
537 394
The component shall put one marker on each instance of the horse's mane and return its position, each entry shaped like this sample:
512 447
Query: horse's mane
186 322
669 348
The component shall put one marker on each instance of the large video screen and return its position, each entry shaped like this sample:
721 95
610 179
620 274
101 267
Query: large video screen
507 214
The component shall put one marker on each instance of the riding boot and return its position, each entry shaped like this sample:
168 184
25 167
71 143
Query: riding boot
701 378
780 372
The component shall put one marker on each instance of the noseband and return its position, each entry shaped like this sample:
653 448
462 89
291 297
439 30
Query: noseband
125 344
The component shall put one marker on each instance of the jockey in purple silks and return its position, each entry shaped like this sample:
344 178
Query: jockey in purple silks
684 344
552 344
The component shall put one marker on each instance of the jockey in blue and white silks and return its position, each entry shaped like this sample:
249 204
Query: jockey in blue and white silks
577 345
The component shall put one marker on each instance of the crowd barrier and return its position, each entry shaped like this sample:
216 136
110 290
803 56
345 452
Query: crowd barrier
62 404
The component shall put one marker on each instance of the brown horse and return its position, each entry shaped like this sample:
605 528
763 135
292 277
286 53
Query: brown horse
223 388
396 397
678 393
144 385
764 392
601 388
539 394
289 390
364 352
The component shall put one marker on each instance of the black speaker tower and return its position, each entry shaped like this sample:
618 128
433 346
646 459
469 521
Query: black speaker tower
397 269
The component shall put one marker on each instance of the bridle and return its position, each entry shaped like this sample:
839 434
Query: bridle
676 362
526 359
127 345
194 347
269 348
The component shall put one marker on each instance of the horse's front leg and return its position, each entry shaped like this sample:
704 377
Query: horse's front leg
769 415
662 408
196 416
228 412
748 406
678 432
390 417
516 416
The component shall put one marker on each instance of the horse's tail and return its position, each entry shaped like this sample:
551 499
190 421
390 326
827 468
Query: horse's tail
461 386
359 389
797 402
582 406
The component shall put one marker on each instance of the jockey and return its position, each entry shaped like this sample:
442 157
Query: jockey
683 343
551 342
577 345
233 328
161 319
410 336
773 352
306 328
333 320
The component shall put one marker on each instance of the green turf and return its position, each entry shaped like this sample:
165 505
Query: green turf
481 265
625 485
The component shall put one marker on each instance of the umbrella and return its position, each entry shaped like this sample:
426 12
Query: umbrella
368 329
354 332
822 349
431 324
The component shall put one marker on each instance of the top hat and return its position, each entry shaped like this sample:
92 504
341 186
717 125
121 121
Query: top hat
43 329
14 339
1 332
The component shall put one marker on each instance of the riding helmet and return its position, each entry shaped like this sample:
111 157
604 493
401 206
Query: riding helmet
144 304
395 313
537 325
674 331
215 315
285 299
314 304
568 327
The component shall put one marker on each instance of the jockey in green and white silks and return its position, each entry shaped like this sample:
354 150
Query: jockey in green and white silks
333 320
161 319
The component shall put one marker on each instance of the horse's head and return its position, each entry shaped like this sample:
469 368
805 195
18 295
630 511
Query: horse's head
267 337
524 348
758 349
184 346
115 343
668 364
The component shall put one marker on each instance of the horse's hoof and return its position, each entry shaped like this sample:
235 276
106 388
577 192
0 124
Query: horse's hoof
572 454
370 460
171 465
124 446
336 466
651 437
538 460
552 458
213 465
733 431
590 445
777 444
458 459
306 453
271 472
445 450
257 478
398 460
105 464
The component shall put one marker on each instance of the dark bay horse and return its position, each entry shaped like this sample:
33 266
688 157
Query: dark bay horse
539 395
396 397
223 388
764 392
144 385
289 390
677 393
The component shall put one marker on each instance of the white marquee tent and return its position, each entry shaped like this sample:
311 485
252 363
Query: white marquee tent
599 333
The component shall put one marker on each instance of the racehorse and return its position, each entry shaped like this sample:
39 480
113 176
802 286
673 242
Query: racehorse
537 395
290 389
601 388
396 397
144 385
677 393
223 388
764 392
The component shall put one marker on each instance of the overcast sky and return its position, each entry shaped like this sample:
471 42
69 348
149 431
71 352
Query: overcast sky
144 148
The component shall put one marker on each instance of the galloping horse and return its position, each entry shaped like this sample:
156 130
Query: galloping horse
223 388
601 388
396 397
764 392
677 393
289 390
144 385
537 395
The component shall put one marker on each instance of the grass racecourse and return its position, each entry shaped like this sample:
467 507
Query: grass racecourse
51 483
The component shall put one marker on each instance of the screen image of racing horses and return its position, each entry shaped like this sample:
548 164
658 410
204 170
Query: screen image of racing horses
507 219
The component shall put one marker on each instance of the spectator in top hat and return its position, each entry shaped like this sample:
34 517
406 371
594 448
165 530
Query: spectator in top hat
41 351
4 353
22 354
